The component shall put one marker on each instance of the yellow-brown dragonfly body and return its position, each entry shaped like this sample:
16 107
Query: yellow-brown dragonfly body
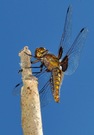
53 65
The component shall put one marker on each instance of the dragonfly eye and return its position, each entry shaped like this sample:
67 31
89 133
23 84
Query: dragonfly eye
40 52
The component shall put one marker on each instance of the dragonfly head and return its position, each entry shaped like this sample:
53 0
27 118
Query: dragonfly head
40 52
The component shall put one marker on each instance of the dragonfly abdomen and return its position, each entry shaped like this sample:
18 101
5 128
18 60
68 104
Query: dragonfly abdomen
56 81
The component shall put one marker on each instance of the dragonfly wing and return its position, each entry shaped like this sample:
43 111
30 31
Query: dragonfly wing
75 51
65 39
44 87
45 94
45 91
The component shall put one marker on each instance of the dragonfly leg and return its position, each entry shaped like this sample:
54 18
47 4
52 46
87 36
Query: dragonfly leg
35 61
41 67
29 55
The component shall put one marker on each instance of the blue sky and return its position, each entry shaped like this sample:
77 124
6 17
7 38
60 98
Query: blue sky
40 23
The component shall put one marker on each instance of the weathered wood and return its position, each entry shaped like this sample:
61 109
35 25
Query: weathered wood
30 103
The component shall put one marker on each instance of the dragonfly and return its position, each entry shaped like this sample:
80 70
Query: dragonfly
67 59
64 63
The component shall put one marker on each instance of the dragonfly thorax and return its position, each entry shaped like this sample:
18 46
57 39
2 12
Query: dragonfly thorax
50 61
40 52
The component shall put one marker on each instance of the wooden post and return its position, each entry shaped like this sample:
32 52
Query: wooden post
30 103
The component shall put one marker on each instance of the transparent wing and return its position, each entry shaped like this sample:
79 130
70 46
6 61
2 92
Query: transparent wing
17 88
45 94
75 51
44 86
45 91
65 39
